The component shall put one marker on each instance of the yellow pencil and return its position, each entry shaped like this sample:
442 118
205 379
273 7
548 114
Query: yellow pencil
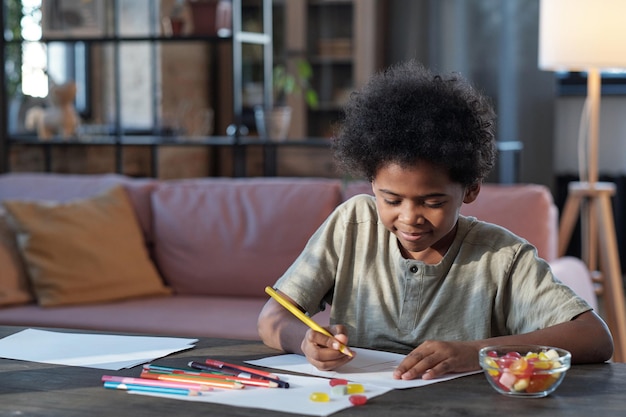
306 319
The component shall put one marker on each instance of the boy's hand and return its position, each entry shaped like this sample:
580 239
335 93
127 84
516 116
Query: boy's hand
323 351
432 359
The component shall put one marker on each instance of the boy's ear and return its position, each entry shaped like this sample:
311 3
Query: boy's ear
471 193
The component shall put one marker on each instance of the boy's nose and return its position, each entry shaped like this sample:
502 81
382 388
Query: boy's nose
411 215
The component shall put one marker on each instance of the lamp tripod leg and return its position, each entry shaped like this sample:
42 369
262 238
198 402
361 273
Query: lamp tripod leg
612 277
590 242
569 217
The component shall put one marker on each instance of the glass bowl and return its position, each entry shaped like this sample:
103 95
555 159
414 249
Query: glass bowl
530 371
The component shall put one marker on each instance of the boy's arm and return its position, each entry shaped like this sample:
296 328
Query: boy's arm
279 329
586 337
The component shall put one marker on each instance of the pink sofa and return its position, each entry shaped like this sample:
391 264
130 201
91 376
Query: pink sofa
217 242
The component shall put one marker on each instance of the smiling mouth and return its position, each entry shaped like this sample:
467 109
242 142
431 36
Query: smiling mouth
411 237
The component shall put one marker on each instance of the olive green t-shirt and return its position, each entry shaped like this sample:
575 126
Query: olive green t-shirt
489 283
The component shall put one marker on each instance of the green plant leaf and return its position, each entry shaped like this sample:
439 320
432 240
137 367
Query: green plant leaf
286 83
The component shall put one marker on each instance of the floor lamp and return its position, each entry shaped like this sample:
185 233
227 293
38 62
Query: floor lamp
590 35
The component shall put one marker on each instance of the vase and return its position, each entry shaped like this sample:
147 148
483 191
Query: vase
273 124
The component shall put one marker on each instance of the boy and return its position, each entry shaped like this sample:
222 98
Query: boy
403 270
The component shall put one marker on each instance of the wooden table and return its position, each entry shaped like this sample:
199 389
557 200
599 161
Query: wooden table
36 389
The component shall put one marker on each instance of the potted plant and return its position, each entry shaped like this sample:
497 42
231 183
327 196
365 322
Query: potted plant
273 121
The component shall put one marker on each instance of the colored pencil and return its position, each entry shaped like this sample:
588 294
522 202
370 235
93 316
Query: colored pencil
167 369
146 388
155 383
179 377
240 371
233 367
244 378
304 318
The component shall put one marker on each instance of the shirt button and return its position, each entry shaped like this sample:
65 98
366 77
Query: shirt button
413 269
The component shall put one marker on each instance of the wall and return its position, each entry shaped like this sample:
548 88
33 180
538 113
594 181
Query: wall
612 146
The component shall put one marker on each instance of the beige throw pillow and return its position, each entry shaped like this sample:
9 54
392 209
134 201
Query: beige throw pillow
84 251
14 285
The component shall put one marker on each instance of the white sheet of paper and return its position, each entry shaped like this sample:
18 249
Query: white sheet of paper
102 351
368 367
294 399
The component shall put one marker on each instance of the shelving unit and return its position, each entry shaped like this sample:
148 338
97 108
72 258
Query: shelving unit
342 39
116 134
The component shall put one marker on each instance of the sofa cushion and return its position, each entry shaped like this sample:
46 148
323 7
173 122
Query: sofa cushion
164 315
232 237
14 285
66 187
84 251
527 210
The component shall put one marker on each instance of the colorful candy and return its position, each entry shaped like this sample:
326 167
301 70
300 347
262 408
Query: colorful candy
358 399
339 390
526 374
355 389
319 397
338 381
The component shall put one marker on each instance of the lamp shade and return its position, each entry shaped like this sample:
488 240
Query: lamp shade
577 35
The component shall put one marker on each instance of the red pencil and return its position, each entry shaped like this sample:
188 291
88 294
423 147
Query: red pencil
253 372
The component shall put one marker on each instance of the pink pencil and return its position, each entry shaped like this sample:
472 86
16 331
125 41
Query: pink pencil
156 383
251 371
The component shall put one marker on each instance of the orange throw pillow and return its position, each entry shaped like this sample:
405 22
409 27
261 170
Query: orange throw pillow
14 285
84 251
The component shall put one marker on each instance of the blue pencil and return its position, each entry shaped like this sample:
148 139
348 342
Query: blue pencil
146 388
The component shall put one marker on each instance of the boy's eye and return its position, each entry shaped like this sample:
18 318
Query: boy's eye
392 202
434 204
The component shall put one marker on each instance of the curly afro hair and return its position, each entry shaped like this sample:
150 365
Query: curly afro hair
407 114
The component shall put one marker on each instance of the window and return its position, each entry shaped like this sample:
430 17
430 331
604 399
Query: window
55 62
34 77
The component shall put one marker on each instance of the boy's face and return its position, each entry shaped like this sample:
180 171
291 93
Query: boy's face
420 205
